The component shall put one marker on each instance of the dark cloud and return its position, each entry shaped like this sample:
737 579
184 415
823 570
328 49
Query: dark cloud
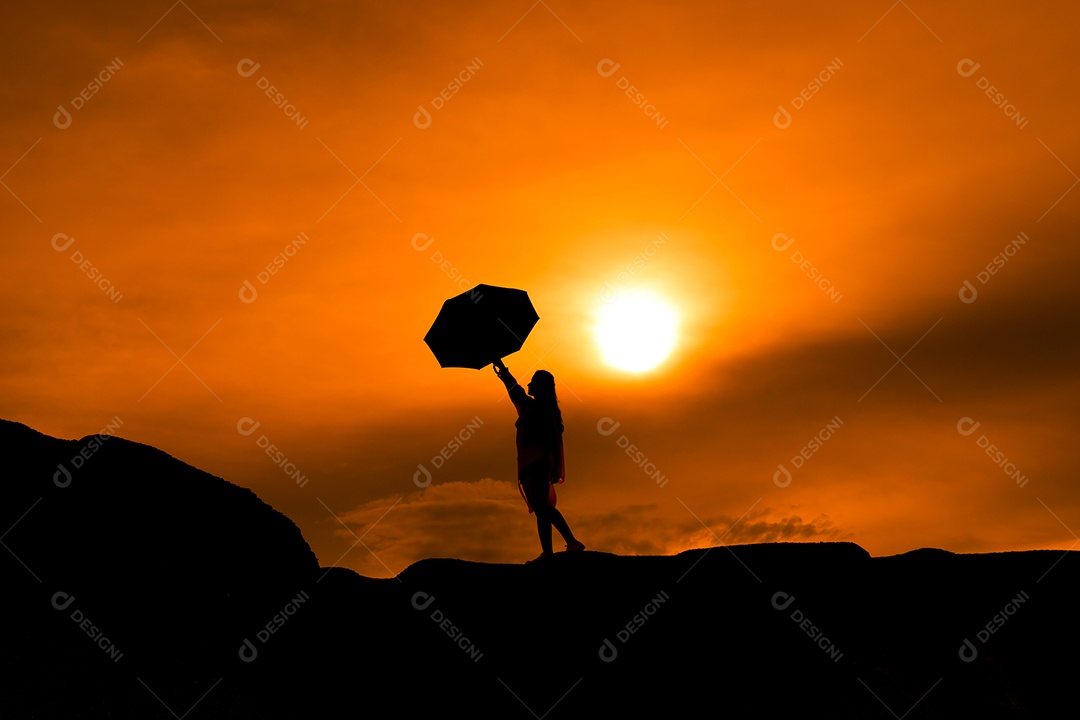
486 521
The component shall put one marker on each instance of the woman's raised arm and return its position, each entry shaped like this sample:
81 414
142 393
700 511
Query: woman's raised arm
508 380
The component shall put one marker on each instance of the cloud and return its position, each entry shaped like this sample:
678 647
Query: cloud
653 530
486 521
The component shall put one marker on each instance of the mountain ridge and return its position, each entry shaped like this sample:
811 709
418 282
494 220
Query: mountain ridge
189 594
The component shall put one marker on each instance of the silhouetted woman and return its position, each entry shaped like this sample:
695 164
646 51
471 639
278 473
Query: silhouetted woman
539 452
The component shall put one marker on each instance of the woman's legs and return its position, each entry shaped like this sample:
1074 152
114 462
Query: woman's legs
546 516
556 519
543 529
535 482
537 487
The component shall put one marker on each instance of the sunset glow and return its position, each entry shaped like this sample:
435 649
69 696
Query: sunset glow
227 229
636 331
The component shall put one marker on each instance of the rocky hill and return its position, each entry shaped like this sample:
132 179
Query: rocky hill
139 586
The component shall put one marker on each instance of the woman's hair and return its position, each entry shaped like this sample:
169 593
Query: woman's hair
543 386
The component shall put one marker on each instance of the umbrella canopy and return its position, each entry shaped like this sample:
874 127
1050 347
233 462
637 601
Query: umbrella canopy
480 326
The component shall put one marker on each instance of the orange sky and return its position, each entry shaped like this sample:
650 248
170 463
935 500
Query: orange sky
148 176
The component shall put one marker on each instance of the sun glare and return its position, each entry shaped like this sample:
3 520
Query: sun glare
636 331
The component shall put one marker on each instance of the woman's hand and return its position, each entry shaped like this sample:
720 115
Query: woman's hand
503 373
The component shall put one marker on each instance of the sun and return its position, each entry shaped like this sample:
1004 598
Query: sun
636 331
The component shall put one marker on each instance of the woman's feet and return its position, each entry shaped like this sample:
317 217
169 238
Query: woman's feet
574 546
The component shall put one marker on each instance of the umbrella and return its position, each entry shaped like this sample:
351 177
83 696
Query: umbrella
480 326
